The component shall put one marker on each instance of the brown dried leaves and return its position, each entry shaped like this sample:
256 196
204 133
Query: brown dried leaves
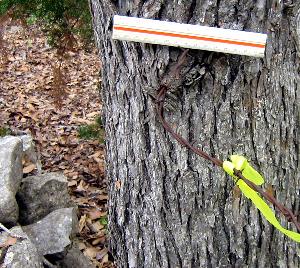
26 105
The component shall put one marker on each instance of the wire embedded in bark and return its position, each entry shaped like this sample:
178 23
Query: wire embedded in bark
290 216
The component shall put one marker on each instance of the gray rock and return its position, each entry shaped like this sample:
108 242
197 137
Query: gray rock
40 195
29 148
23 254
10 177
75 258
52 234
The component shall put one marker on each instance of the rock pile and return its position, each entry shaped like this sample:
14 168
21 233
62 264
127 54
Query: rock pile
39 212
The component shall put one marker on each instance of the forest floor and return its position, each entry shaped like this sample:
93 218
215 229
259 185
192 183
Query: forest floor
31 100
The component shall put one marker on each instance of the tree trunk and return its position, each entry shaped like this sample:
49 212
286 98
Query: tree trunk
168 207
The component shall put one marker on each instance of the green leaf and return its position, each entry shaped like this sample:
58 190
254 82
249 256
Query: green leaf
104 220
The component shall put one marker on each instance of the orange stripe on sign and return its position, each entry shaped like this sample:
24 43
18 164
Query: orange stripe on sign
224 41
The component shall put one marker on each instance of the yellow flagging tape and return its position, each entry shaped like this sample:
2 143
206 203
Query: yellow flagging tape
240 163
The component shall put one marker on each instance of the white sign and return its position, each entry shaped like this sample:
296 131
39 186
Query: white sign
189 36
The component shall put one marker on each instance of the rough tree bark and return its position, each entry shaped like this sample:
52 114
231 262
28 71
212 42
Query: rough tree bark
168 207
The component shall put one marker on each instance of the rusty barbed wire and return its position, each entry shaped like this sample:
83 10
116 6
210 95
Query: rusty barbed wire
160 99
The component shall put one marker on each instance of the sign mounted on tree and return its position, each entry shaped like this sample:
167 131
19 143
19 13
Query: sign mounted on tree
189 36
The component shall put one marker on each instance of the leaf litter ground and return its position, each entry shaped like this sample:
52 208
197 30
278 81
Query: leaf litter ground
27 104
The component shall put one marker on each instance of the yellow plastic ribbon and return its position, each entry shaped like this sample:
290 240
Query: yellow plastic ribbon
240 163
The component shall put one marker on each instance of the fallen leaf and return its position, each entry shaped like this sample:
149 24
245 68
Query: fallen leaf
97 226
9 242
91 252
99 240
92 114
29 168
81 246
103 197
96 214
81 223
105 259
72 183
80 121
80 187
101 254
